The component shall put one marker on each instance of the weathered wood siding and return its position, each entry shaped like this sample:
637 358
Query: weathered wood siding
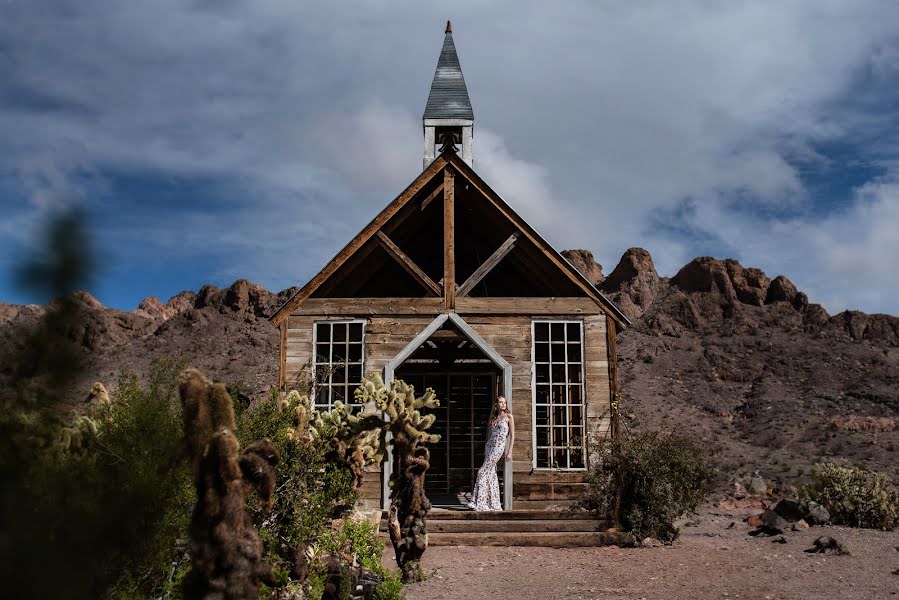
511 337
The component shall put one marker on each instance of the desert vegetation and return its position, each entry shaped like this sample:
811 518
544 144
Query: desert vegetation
645 480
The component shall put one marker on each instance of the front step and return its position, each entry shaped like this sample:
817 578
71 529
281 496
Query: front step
518 528
546 539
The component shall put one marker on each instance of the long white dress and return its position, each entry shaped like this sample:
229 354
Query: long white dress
485 495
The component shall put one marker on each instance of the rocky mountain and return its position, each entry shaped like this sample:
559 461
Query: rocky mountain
769 382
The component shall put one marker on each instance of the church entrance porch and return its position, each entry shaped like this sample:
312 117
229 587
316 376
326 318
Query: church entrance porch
467 376
466 399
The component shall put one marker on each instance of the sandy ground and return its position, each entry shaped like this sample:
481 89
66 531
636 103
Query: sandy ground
710 560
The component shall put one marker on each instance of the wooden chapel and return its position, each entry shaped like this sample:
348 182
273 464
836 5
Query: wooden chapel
449 288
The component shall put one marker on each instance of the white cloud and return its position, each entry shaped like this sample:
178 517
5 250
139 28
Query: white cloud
592 118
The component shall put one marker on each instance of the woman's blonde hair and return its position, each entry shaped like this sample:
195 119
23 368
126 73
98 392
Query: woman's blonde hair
494 412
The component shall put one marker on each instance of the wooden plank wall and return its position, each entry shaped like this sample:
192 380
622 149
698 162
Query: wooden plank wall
510 336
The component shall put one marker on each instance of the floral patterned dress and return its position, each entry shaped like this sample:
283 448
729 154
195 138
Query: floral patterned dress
486 488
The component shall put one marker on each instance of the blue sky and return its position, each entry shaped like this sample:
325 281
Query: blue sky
209 141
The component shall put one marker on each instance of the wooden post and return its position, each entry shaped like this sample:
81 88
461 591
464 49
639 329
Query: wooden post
282 370
614 398
449 240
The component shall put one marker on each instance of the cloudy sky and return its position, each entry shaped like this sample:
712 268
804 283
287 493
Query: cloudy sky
218 139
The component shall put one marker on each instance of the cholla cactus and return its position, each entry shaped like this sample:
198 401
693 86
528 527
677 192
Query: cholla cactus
355 440
303 414
98 395
77 436
227 560
408 427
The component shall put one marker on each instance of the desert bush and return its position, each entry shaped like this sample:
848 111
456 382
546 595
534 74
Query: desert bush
96 514
646 480
854 496
310 490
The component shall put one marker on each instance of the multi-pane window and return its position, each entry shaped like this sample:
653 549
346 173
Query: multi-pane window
559 420
338 361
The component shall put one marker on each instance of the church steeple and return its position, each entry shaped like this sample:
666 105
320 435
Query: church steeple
448 117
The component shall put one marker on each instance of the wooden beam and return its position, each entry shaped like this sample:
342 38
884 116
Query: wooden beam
449 240
615 398
407 263
580 280
528 306
487 266
369 306
433 195
282 367
348 250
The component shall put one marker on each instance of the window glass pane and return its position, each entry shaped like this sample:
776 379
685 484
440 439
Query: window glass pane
560 459
339 393
354 374
339 333
557 332
543 436
541 352
541 332
574 352
355 332
574 394
543 457
577 459
355 353
338 352
558 373
559 415
338 374
557 352
574 332
575 416
574 374
558 394
323 332
322 353
560 436
542 414
541 373
542 394
321 399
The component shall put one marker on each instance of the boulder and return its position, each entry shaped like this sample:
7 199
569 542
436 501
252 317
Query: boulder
757 485
583 261
790 510
634 283
816 515
827 545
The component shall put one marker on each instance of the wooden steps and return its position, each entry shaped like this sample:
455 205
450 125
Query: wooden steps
556 529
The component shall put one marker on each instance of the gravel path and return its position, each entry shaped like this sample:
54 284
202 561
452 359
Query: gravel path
710 560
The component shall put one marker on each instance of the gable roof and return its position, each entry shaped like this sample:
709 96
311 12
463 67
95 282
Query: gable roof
449 96
452 160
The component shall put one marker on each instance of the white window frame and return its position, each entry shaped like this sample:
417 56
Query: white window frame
315 383
583 384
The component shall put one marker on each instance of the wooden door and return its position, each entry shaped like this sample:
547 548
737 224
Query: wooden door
466 399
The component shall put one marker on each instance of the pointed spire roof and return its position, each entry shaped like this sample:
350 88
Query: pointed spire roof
449 96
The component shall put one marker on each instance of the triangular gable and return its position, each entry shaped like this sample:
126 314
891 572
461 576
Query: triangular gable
427 187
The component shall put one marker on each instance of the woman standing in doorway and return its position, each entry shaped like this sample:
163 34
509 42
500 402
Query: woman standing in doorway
486 488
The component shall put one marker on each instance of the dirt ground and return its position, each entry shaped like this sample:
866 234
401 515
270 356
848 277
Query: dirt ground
710 560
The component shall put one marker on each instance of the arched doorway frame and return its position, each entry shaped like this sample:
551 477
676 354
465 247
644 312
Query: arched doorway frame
499 361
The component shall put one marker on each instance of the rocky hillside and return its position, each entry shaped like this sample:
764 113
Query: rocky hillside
769 381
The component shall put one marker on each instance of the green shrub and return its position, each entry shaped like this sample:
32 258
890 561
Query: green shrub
646 480
98 514
310 491
854 496
391 588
